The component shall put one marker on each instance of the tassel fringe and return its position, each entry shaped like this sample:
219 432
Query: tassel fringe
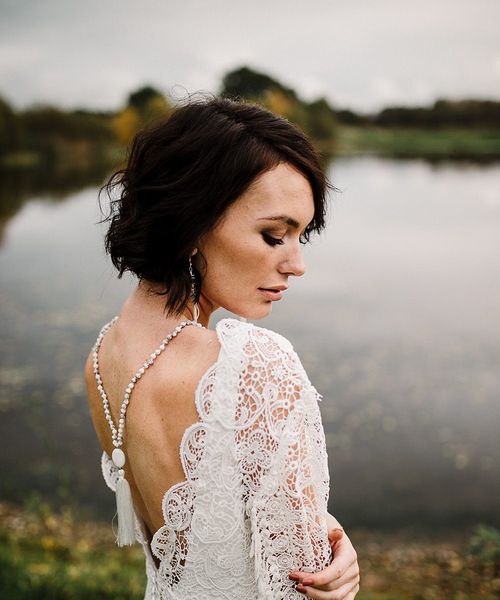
126 515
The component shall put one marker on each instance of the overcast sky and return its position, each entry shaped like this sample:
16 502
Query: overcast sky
360 54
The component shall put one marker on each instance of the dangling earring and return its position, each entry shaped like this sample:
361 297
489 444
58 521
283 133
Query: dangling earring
196 309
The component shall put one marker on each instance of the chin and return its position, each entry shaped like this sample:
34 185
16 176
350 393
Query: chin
256 312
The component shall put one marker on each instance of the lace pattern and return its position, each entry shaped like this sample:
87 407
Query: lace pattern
282 453
253 503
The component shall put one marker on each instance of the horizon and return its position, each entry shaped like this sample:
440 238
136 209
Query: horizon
37 104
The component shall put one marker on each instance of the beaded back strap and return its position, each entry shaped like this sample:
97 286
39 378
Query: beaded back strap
124 504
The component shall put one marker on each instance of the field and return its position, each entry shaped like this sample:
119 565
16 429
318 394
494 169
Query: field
416 142
54 556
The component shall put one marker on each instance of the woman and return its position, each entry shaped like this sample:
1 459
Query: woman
222 474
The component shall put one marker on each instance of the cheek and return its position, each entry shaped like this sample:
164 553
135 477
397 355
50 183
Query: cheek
242 258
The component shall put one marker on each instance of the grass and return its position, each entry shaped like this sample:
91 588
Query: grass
54 556
396 566
395 142
49 556
410 143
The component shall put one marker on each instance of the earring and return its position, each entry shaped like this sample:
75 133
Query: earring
196 309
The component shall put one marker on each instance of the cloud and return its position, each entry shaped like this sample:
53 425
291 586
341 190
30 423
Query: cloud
358 55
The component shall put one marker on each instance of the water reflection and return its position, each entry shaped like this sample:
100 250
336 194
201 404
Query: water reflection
52 184
398 329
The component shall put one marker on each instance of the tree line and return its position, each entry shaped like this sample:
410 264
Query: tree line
41 135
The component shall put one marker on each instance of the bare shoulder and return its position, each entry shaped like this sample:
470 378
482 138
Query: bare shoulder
197 341
194 350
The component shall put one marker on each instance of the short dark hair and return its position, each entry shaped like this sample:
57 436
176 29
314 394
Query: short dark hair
181 176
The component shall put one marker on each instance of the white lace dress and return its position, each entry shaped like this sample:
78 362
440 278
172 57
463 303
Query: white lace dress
253 504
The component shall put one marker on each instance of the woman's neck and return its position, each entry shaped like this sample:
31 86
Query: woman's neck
146 305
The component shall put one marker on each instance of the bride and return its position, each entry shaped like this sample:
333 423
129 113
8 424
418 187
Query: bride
212 438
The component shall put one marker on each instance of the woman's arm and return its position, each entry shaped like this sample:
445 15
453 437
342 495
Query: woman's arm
282 453
283 462
287 511
341 577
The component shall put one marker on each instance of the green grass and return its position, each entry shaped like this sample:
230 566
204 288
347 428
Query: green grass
47 556
406 142
54 556
396 566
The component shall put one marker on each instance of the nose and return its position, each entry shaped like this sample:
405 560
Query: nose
294 263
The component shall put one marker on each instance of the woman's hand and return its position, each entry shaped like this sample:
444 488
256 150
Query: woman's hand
340 580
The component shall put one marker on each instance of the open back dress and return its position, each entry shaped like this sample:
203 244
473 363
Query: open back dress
253 504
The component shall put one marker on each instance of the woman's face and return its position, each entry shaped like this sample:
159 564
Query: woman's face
249 250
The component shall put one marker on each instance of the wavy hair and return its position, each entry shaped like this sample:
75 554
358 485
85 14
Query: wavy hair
181 176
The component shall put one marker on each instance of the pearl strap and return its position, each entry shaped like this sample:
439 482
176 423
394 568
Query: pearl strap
117 434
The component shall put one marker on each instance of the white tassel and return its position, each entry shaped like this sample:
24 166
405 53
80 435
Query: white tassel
125 510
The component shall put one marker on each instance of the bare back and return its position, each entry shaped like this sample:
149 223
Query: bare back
161 404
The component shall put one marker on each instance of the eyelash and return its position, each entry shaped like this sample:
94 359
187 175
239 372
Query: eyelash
272 241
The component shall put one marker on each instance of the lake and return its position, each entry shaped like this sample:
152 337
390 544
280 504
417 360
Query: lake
397 322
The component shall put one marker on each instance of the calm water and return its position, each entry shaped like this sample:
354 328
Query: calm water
397 322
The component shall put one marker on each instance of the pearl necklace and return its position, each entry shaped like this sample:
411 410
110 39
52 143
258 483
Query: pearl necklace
124 503
118 456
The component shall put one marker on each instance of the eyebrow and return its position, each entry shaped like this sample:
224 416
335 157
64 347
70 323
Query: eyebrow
288 220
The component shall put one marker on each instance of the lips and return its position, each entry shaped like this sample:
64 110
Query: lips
272 293
278 288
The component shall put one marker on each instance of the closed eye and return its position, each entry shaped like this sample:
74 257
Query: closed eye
272 241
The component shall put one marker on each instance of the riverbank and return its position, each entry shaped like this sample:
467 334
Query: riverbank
48 555
397 142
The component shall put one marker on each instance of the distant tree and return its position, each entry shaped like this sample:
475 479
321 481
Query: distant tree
321 119
125 125
278 102
249 84
349 117
142 97
10 128
144 106
46 122
316 118
444 113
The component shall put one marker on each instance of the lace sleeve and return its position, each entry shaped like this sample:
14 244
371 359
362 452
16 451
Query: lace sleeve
282 455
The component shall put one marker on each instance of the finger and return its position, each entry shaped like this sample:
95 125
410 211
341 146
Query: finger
300 575
334 575
355 591
343 593
335 534
352 594
344 555
310 592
